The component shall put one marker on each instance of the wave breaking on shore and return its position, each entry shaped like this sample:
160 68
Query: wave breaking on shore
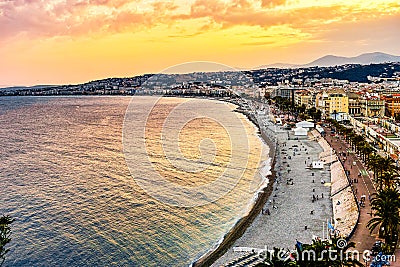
261 194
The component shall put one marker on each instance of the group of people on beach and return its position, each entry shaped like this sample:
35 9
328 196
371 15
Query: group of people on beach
316 197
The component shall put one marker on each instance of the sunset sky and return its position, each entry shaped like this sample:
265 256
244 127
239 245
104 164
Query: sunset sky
74 41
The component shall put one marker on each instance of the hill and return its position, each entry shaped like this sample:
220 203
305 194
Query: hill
331 60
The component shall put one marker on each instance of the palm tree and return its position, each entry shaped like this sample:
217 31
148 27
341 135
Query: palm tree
388 178
373 164
383 165
346 132
388 163
324 259
386 204
355 140
362 149
346 261
369 150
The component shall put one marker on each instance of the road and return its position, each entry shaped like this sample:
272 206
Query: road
362 237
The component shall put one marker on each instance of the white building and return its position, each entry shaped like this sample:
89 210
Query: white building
299 131
305 124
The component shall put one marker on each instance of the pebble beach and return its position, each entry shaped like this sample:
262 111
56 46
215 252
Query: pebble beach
299 206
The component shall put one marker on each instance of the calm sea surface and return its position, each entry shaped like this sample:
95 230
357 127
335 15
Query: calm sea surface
76 199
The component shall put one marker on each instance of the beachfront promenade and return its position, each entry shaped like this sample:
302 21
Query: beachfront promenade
290 212
362 238
345 209
357 172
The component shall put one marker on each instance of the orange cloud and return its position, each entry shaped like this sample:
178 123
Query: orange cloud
108 35
75 17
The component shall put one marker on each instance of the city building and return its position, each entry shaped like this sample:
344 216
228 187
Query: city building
372 107
336 105
302 97
354 104
392 105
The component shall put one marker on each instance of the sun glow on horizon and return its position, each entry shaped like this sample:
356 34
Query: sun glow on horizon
54 42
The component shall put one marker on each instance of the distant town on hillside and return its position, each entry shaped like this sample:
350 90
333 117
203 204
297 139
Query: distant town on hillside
254 83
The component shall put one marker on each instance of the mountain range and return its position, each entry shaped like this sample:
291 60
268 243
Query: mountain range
331 60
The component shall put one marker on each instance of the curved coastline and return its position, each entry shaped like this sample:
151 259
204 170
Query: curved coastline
243 223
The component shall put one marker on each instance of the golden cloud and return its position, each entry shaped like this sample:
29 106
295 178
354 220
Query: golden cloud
38 18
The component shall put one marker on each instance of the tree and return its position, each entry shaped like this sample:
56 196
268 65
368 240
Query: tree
5 232
397 117
364 149
386 204
356 140
373 164
387 163
317 115
335 113
311 110
335 258
301 109
388 178
321 253
283 103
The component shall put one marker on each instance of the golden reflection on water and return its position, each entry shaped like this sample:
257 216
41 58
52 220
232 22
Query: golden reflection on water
66 181
203 141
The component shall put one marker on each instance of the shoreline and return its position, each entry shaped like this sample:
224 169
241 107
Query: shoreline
243 223
294 188
260 197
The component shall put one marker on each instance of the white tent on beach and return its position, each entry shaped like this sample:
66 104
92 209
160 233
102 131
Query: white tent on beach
300 131
305 124
317 165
